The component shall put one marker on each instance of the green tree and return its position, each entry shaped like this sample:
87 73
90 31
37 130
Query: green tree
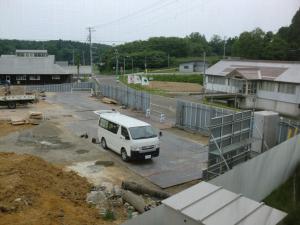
217 45
249 44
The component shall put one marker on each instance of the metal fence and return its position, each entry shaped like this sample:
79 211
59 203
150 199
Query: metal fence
66 87
229 142
196 116
287 129
131 98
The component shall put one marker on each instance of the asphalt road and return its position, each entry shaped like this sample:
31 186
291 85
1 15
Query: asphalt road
181 160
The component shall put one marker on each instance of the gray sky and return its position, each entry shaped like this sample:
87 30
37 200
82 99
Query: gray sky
118 21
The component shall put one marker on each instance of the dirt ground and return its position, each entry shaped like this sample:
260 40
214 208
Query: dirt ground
6 128
175 86
33 191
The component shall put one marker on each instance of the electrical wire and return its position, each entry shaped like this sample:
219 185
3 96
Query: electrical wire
148 9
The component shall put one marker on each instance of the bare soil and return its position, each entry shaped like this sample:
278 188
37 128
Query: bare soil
7 128
175 86
33 191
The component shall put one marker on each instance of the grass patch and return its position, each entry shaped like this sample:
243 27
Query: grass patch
195 78
220 105
283 198
210 59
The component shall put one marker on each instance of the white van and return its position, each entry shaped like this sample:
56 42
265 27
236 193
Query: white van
129 137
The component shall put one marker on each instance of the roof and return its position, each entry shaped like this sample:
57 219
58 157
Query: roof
12 64
212 205
123 120
30 50
193 61
280 71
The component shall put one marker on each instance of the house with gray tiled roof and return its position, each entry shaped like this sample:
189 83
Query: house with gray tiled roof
32 67
257 84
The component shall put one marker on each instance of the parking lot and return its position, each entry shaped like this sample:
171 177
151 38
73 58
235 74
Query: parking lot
181 159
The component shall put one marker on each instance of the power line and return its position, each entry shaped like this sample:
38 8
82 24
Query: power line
153 6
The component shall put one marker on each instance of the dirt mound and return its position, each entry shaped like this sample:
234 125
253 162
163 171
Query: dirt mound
33 192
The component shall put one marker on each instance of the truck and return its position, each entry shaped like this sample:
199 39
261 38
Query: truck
11 101
133 139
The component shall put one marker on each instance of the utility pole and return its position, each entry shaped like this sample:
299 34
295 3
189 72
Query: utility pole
124 65
91 29
204 68
83 58
131 64
224 49
145 64
117 62
73 57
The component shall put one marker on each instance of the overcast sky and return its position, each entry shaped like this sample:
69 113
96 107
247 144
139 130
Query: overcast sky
118 21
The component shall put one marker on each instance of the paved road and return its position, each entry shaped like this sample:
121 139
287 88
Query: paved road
180 161
159 104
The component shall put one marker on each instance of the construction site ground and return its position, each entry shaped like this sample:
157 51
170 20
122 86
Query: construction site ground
57 140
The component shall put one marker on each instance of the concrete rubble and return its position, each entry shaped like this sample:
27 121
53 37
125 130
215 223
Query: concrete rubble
107 196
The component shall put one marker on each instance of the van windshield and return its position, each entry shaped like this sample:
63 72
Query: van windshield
142 132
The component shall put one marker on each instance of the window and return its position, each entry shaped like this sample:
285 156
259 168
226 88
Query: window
34 77
268 86
216 80
103 123
287 88
113 127
142 132
186 67
124 133
21 77
55 77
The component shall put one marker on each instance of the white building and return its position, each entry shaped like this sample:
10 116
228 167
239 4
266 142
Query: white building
267 85
193 66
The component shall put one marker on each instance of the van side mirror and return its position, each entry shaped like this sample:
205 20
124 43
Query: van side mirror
127 138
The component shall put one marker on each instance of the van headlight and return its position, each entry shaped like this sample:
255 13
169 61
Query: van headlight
157 146
135 148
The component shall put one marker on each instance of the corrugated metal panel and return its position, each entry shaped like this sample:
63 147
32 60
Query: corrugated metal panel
212 205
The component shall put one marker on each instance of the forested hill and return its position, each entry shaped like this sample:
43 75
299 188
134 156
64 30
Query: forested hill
157 52
256 44
63 50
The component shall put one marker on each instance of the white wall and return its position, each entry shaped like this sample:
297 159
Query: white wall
189 70
258 177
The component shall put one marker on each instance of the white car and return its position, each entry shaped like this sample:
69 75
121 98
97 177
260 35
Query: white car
129 137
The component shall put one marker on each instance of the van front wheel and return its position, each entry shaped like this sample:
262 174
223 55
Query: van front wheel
103 143
124 155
